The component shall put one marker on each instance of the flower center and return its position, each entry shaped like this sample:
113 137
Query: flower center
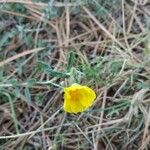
74 95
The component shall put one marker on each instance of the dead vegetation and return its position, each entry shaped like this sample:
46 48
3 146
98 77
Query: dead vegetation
47 45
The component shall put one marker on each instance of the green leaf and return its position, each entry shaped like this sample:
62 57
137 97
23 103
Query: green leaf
38 98
42 66
14 82
17 91
50 12
5 38
70 61
142 85
27 94
31 82
1 75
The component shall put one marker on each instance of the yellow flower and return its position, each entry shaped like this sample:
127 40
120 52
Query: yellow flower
78 98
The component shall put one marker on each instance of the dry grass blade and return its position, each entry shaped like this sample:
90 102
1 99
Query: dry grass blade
101 44
28 2
101 119
27 52
103 28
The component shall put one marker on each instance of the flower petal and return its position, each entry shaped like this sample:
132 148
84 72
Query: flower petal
78 98
67 102
87 96
76 107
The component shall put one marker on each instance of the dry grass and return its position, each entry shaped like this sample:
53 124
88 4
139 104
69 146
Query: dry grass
47 45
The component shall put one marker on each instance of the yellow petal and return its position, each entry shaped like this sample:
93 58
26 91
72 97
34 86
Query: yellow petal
67 103
78 98
87 97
